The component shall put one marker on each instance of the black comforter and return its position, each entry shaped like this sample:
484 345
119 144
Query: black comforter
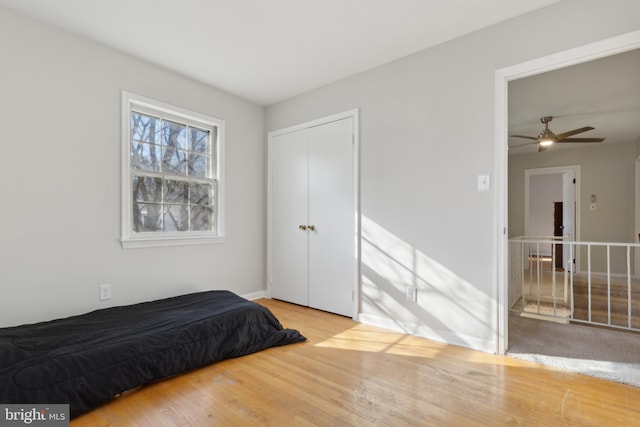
86 360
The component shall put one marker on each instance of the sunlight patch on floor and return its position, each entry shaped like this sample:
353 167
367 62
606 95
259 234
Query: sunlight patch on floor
368 339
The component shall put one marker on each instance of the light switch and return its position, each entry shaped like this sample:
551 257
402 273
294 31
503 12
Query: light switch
484 183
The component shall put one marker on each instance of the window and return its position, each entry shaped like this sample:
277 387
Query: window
172 165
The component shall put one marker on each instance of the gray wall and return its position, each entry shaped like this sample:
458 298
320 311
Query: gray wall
60 180
427 131
606 170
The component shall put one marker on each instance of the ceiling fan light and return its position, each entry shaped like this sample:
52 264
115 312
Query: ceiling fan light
546 142
546 137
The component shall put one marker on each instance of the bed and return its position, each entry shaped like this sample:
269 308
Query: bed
86 360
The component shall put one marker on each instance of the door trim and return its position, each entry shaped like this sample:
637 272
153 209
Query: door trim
636 264
585 53
576 226
354 114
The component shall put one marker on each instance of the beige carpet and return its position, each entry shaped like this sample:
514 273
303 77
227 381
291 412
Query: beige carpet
610 354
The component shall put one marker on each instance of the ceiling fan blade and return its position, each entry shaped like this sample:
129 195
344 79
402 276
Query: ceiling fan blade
573 132
524 136
581 140
522 145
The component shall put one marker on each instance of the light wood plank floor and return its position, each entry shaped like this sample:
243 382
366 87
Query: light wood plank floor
350 374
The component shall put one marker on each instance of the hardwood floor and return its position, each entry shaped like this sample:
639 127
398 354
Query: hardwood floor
350 374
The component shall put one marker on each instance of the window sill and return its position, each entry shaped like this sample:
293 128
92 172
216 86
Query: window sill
155 242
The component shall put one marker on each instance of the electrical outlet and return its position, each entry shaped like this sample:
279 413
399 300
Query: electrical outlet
105 292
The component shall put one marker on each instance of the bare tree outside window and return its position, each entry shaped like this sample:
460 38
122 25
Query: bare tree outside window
173 175
173 190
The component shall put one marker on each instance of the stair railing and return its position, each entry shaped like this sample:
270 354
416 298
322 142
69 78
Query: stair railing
533 281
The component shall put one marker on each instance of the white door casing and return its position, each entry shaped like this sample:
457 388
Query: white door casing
570 202
636 265
569 216
502 77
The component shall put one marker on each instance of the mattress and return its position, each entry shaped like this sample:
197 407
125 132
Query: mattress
86 360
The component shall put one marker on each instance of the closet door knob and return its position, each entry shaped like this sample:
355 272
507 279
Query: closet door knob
312 227
302 227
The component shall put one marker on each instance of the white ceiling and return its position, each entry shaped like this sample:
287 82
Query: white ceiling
604 94
269 50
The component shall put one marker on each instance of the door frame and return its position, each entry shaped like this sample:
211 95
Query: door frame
502 77
556 170
636 264
354 114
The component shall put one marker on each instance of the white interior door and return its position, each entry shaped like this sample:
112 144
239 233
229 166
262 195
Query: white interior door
332 251
313 233
289 209
568 215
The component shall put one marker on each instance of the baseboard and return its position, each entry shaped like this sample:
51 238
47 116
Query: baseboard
446 337
255 295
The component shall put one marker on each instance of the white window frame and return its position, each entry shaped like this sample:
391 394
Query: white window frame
131 239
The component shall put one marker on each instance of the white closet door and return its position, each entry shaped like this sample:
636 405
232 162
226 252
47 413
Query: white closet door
332 253
289 207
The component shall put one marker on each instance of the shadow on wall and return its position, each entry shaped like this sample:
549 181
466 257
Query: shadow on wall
447 308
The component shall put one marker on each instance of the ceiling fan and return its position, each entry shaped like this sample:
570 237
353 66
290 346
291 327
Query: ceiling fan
548 138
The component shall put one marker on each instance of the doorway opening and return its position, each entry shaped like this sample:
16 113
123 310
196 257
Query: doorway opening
552 209
586 53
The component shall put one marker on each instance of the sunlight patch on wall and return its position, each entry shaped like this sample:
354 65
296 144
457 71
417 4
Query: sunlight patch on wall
448 308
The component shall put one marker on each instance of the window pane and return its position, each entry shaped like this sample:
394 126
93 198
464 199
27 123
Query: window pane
145 128
199 140
146 217
198 165
145 156
147 189
176 218
176 192
201 218
171 172
201 194
174 135
174 161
